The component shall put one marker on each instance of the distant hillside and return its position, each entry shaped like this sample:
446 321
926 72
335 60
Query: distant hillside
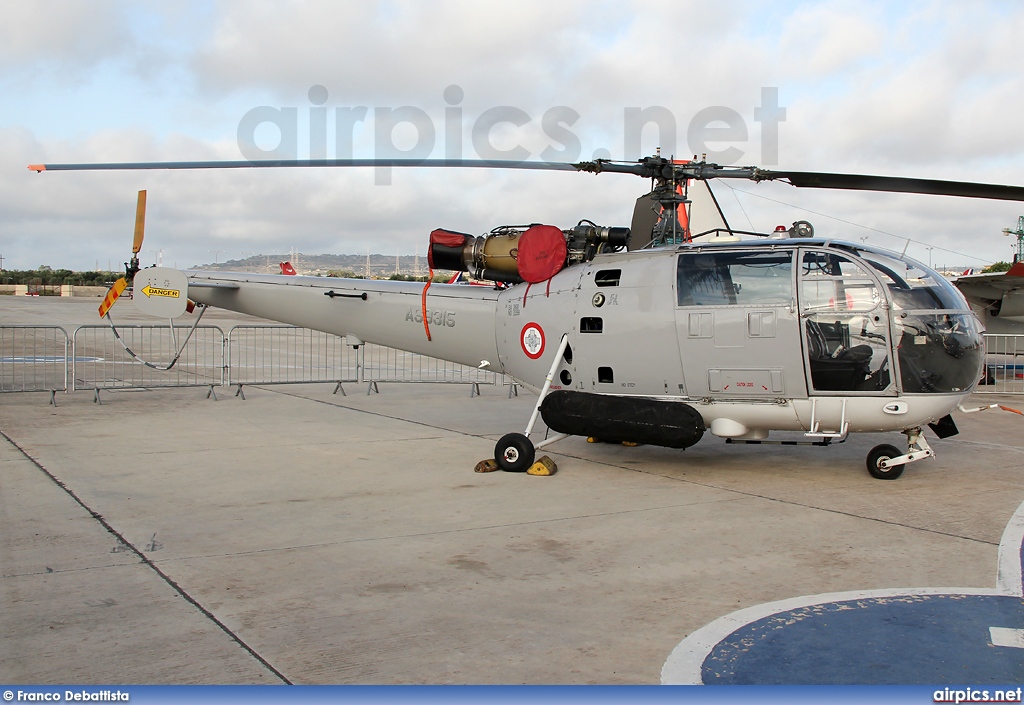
379 265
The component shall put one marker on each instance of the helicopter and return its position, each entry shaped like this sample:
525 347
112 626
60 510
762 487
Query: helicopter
656 333
998 298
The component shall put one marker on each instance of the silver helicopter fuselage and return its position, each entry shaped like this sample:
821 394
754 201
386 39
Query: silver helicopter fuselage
817 336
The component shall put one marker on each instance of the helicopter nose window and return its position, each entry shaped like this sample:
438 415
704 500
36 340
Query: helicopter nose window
939 353
939 341
735 278
912 286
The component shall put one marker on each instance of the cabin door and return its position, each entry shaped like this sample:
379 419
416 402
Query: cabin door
736 320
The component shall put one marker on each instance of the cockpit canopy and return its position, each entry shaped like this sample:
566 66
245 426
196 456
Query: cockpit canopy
859 309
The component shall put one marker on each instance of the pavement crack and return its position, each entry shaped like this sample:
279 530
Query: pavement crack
58 571
147 561
983 444
789 502
378 414
442 532
678 479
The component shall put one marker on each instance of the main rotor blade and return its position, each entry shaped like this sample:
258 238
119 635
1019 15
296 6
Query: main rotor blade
649 167
660 168
140 223
279 163
897 184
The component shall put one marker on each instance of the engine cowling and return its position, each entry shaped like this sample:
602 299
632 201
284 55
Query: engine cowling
515 254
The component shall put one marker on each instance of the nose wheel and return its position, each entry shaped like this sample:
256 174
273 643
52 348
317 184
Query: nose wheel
878 462
514 453
886 462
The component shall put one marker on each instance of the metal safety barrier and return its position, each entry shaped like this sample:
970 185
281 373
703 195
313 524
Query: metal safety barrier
382 364
46 358
33 359
277 354
101 362
1004 364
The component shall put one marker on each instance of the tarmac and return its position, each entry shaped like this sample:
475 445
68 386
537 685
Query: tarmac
300 536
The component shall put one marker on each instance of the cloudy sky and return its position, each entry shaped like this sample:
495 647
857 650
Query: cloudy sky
926 89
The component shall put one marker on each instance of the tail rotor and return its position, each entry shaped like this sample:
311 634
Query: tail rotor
131 267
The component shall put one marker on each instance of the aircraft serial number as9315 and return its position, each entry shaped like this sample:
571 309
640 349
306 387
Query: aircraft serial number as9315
435 317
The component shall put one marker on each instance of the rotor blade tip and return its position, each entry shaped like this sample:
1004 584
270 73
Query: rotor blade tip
37 167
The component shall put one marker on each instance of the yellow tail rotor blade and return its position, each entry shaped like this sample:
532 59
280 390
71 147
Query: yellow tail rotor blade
140 223
116 290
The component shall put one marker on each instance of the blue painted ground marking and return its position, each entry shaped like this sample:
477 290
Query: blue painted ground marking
884 637
46 358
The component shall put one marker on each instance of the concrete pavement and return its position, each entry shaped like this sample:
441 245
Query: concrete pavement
300 536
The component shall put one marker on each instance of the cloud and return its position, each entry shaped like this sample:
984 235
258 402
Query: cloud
830 38
81 217
388 51
920 89
62 36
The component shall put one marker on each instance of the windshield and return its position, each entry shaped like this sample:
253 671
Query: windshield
913 286
849 334
938 352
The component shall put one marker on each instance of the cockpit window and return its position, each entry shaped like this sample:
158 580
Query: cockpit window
912 286
939 353
832 282
735 278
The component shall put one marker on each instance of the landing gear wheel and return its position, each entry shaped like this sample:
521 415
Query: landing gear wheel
514 453
880 453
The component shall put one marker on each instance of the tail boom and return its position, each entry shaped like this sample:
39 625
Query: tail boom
390 313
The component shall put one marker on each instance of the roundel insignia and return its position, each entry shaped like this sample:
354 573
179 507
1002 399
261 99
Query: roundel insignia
532 340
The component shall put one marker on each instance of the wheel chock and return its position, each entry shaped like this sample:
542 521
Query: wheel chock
488 465
628 444
543 467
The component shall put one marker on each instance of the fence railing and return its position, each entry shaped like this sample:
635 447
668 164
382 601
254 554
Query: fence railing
380 364
1004 364
276 354
47 358
34 359
101 362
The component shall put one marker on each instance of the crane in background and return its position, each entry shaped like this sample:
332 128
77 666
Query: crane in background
1019 232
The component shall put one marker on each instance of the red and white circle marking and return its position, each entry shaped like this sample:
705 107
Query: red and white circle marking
532 340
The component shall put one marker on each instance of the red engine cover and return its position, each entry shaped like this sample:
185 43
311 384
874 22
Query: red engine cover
446 247
542 253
